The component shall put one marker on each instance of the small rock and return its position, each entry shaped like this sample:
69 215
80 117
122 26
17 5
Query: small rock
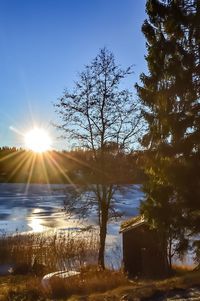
127 298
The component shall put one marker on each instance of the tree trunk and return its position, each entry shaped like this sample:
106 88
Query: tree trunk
170 254
164 244
102 236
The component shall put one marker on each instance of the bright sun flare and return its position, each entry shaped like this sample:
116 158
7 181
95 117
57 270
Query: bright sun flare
37 140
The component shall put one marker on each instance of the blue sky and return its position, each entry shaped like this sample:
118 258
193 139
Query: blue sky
44 43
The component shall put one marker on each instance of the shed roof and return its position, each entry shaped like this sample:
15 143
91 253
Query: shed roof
132 223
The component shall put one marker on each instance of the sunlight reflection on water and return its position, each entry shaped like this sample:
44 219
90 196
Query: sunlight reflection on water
36 223
40 208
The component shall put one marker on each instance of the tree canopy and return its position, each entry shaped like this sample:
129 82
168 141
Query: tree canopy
101 116
170 95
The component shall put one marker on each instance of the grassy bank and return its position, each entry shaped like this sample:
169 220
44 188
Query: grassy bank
37 254
92 286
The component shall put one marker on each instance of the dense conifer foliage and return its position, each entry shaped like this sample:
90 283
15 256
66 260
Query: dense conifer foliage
170 95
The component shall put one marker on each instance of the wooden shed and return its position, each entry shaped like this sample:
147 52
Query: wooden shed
143 253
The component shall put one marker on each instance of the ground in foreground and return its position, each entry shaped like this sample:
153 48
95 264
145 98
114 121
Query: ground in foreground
101 286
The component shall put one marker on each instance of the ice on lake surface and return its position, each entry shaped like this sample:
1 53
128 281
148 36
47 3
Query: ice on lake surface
39 207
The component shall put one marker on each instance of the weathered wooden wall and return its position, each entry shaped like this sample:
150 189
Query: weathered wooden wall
142 253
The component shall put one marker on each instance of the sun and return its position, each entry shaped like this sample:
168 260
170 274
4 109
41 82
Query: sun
37 140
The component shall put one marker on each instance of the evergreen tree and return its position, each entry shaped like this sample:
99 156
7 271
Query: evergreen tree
170 94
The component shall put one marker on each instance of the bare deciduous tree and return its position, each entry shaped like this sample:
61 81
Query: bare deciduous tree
101 116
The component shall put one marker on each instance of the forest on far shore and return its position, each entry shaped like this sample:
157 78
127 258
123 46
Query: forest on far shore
76 166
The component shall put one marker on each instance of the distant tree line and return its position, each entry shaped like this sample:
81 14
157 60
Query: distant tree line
75 166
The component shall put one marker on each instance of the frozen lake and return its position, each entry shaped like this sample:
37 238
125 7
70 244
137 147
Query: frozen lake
40 207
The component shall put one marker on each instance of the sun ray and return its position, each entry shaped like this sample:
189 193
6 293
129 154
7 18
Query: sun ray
45 170
61 171
81 162
9 156
33 158
19 165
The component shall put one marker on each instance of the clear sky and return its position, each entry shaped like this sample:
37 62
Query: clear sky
44 43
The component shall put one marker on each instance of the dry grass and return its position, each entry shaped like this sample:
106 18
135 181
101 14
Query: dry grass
183 268
28 288
48 252
89 281
21 288
140 290
91 285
